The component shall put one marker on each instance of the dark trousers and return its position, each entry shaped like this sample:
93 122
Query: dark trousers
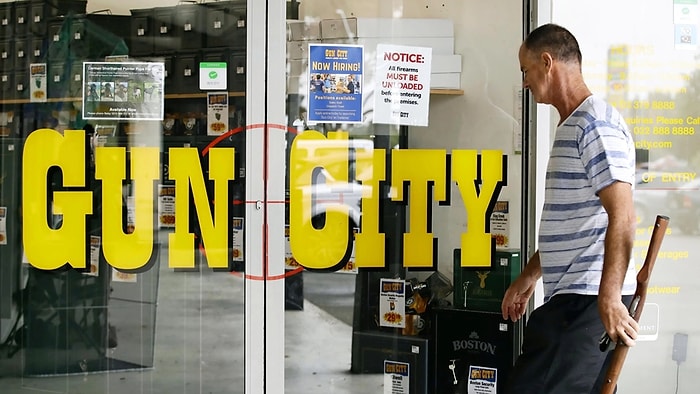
560 352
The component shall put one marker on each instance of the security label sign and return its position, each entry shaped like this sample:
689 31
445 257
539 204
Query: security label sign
482 380
402 92
396 377
212 76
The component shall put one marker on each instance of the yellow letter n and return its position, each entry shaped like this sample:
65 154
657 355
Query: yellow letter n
186 170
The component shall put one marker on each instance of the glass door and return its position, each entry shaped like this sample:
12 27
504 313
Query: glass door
125 211
394 257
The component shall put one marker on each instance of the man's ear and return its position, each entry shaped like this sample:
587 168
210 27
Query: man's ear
547 60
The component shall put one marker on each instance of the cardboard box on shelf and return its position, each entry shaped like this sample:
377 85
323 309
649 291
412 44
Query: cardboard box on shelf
298 67
386 27
303 31
297 85
298 49
446 64
445 81
440 45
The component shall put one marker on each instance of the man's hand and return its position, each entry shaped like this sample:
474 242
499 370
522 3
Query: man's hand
516 298
618 323
519 292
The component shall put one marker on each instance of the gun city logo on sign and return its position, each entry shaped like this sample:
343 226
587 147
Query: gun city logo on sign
418 176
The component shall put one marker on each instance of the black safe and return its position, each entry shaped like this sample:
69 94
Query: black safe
471 347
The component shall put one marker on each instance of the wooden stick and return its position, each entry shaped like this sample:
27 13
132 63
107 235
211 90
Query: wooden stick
640 295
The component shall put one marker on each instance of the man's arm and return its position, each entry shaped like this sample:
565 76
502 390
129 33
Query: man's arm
619 239
519 292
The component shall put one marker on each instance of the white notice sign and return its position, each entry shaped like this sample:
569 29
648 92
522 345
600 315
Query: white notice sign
392 303
402 92
482 380
396 377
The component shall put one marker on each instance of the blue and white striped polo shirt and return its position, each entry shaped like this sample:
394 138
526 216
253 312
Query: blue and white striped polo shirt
592 149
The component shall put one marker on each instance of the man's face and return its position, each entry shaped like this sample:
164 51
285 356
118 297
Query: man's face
534 70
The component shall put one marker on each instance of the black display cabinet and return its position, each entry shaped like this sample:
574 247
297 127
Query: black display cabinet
226 24
10 237
471 348
80 322
7 11
65 322
375 347
38 13
483 289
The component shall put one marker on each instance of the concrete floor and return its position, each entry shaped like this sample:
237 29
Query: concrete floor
199 344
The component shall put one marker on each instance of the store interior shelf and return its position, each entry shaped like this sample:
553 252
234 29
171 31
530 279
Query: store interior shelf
167 97
199 95
453 92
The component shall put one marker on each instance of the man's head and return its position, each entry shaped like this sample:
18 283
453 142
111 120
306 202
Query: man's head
544 46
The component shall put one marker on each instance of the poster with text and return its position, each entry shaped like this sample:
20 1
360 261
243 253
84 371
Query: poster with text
482 380
130 214
402 92
3 225
237 239
217 113
114 90
396 377
335 83
392 303
166 206
289 260
94 269
37 83
500 227
124 277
